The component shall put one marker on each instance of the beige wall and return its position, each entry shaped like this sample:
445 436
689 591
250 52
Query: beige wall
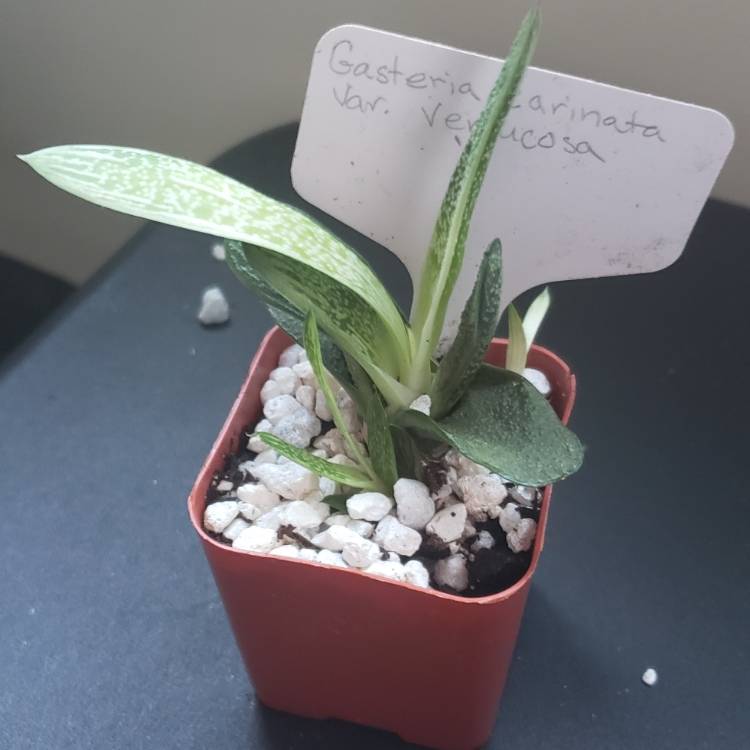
194 77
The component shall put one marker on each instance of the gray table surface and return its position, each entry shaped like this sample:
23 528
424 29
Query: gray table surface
112 634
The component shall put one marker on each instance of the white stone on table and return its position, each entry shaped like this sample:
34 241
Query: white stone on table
256 539
321 406
305 396
448 524
218 516
291 356
254 443
235 528
393 536
387 569
258 495
422 404
335 537
278 407
214 309
539 380
484 540
509 517
414 506
300 515
417 574
329 557
360 553
289 480
298 428
483 495
650 677
521 538
369 506
286 550
218 251
286 379
452 572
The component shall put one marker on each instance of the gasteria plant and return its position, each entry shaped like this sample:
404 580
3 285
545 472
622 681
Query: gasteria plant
327 298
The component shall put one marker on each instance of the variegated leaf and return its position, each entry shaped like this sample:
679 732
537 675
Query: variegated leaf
445 254
184 194
515 356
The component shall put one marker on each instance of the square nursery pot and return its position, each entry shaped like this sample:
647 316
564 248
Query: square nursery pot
326 642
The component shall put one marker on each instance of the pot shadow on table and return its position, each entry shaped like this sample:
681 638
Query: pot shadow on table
568 695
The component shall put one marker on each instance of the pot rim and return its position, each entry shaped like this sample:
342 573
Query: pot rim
195 516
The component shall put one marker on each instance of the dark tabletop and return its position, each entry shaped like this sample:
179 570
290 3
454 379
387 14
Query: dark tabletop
112 634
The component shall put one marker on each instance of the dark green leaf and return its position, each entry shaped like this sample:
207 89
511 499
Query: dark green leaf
408 456
337 502
478 323
505 424
379 442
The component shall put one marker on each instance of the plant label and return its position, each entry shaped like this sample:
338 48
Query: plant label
586 180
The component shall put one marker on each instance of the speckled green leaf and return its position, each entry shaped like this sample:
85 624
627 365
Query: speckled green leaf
475 331
184 194
290 318
505 424
340 473
446 251
380 443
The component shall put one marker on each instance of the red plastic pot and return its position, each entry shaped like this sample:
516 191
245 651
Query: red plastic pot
340 643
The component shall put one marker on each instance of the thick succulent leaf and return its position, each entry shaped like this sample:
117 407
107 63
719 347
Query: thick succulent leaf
475 331
290 318
535 315
312 347
380 443
515 356
445 254
348 475
184 194
505 424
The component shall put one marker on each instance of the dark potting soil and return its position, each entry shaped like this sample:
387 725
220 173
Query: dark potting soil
490 570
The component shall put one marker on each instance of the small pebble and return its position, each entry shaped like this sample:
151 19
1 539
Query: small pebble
482 495
387 569
539 380
224 486
214 309
521 539
218 516
335 537
369 506
484 540
305 396
422 404
328 557
414 506
286 550
280 406
300 515
448 524
286 379
650 677
417 574
360 553
291 356
393 536
258 495
256 539
451 572
235 528
254 443
288 480
218 251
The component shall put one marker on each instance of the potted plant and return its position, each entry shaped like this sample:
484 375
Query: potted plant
374 531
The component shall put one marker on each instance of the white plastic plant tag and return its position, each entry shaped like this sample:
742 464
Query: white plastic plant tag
587 179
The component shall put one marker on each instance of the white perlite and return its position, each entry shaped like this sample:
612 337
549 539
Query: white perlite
360 553
285 550
254 443
482 495
451 572
218 516
258 496
224 486
214 309
464 465
417 574
305 396
298 428
335 537
300 515
256 539
369 506
387 569
289 480
521 538
218 251
448 524
393 536
414 506
484 540
509 517
539 380
422 403
327 557
286 379
650 677
278 407
235 528
524 495
291 356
